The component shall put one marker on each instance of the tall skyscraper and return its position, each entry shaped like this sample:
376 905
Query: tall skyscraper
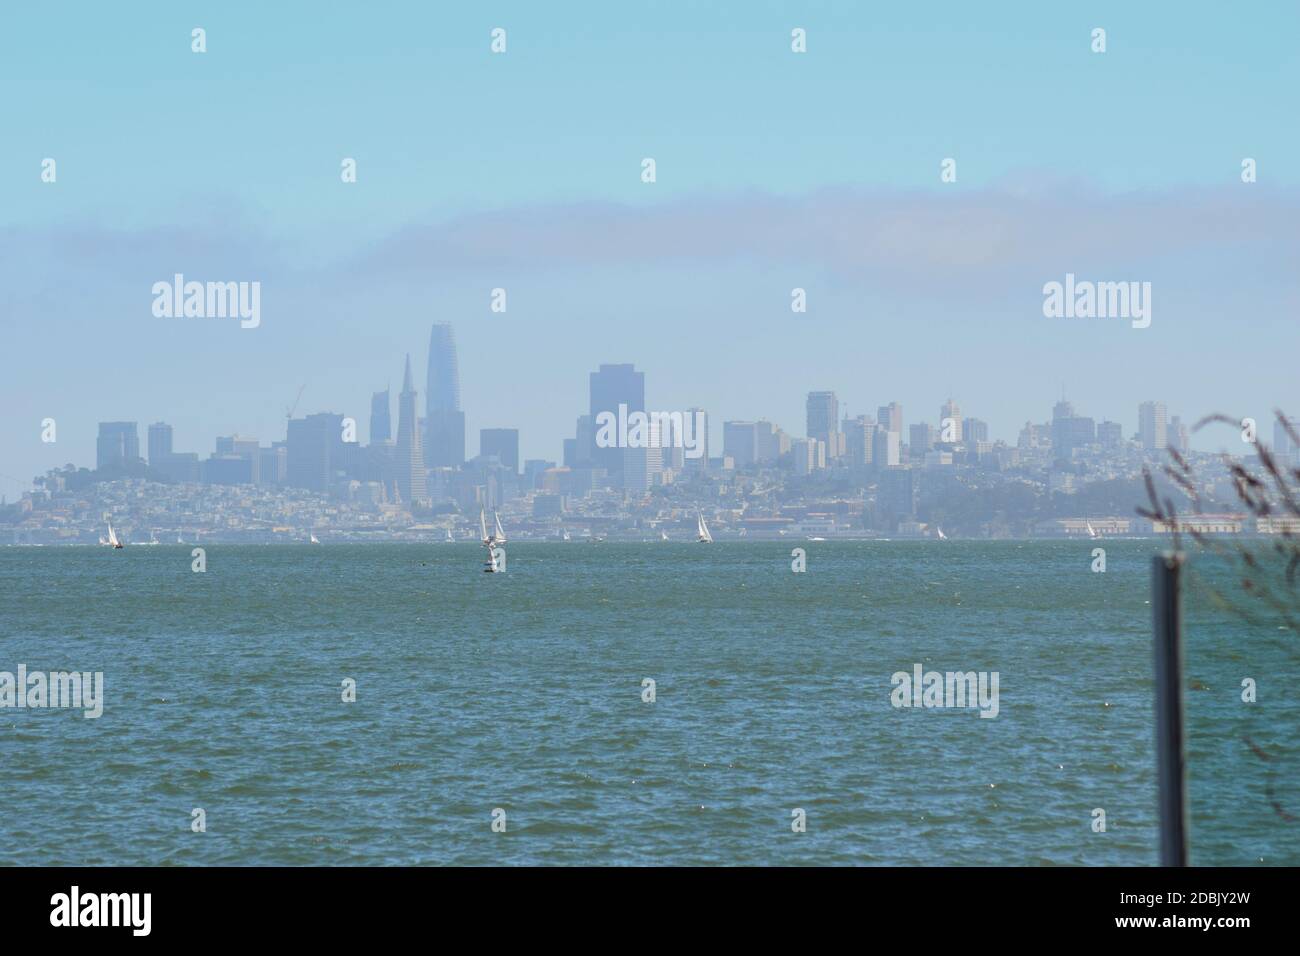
381 422
611 386
950 423
1153 426
502 442
823 410
890 417
160 443
885 447
740 441
859 440
444 421
314 451
700 463
1110 435
643 466
410 454
118 444
767 444
975 430
921 438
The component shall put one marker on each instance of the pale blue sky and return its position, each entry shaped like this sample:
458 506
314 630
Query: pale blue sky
522 170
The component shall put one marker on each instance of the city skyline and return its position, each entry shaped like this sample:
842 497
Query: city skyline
914 287
1154 427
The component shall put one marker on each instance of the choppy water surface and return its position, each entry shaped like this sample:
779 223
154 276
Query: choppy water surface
523 691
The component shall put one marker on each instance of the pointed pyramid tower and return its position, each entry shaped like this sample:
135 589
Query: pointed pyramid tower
410 455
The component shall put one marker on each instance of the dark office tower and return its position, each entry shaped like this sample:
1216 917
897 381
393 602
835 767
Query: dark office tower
1110 435
584 438
824 421
611 386
502 442
859 434
410 455
118 444
313 451
160 443
1070 431
381 422
921 438
975 430
444 435
740 442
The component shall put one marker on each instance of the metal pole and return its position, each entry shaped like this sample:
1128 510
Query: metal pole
1171 762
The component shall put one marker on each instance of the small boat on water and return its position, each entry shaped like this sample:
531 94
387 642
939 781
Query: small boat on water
703 529
493 543
663 535
939 532
1092 532
112 537
314 539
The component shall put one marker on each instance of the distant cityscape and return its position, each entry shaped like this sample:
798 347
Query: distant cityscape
860 477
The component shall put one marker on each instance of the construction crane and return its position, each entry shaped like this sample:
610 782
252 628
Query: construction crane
288 412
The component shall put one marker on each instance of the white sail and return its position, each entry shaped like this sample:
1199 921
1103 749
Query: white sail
112 536
939 531
314 539
705 537
500 534
482 524
1092 532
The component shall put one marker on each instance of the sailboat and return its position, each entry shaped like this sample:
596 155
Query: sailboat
663 535
500 532
567 536
449 538
705 537
112 536
314 539
489 541
939 532
1092 532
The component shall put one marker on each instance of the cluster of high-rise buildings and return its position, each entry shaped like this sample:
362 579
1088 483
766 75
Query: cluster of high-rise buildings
421 462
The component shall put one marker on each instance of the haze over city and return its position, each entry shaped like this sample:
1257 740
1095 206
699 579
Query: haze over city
774 172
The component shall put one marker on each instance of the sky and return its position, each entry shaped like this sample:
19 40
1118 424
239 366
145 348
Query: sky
522 170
